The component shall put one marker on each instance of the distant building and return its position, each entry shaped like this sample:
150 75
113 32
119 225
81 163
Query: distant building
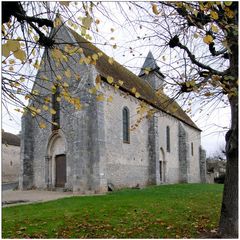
10 157
215 168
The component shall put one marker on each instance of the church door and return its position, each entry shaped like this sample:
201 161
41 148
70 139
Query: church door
60 170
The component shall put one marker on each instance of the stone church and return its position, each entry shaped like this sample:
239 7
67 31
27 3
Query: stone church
106 143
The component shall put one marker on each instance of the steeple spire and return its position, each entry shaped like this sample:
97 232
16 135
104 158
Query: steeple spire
150 72
149 64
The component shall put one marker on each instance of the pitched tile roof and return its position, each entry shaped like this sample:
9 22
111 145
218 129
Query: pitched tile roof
160 101
10 139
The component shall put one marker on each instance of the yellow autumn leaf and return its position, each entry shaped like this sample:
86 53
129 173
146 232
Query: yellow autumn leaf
155 9
36 38
65 3
36 65
78 77
229 13
208 39
100 98
5 50
86 22
52 111
38 111
195 35
110 60
92 90
100 54
59 77
208 94
35 92
57 54
47 99
20 54
27 96
110 79
227 3
22 79
120 82
68 73
16 84
45 107
146 71
11 61
95 56
137 94
13 45
87 60
42 125
109 99
214 15
98 79
53 89
97 86
57 22
133 90
54 123
214 28
65 84
80 50
58 99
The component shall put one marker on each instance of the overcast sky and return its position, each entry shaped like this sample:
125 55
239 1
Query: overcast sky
213 122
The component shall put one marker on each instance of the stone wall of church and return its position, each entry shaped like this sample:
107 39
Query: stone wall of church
171 158
127 163
80 129
139 161
194 143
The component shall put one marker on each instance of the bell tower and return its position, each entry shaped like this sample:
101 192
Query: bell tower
150 72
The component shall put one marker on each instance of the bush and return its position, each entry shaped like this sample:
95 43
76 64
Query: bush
220 179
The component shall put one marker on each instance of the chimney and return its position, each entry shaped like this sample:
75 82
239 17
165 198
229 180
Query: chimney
150 72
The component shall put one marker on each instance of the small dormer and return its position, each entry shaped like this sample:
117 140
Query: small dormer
150 72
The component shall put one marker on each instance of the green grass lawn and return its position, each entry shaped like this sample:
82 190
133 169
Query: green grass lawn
169 211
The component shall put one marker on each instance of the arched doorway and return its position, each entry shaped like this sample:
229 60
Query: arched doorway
56 161
162 166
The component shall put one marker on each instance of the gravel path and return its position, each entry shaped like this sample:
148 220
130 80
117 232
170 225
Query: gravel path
10 197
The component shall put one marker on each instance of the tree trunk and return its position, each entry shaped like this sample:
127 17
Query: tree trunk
228 226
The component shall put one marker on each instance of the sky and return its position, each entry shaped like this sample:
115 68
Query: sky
213 122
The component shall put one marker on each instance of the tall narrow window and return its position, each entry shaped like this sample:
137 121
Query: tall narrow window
192 148
126 133
168 138
56 107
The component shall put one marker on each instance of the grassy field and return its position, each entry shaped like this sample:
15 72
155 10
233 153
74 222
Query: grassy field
169 211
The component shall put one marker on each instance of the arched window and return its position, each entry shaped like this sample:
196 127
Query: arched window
192 148
56 107
168 138
126 132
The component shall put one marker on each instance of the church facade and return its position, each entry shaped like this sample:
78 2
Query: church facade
127 133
